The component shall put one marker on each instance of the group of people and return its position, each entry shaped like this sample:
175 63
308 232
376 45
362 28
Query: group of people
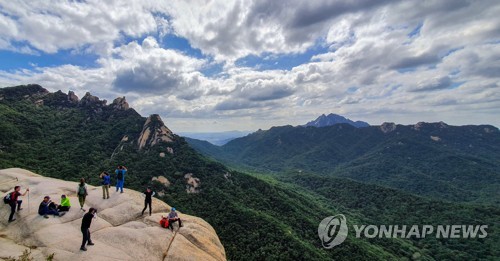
47 207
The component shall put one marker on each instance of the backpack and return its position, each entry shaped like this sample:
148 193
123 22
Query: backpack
82 190
6 199
164 222
119 176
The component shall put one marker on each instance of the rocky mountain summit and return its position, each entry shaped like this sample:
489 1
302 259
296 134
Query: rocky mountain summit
332 119
154 132
119 231
40 96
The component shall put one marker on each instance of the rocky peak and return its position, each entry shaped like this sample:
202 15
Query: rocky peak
434 125
154 132
72 97
30 91
387 127
120 103
332 119
92 100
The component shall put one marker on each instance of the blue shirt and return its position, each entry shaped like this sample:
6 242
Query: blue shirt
172 215
124 171
106 180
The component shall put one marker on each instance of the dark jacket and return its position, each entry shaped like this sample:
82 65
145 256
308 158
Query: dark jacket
148 195
86 220
43 209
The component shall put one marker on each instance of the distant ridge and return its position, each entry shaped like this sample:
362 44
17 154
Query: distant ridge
332 119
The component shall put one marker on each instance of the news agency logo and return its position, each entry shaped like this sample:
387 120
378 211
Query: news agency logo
333 231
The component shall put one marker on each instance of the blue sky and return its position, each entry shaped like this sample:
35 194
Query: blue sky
244 65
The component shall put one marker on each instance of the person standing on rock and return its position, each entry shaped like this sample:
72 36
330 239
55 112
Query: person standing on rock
106 181
147 201
14 201
86 220
173 217
120 177
81 191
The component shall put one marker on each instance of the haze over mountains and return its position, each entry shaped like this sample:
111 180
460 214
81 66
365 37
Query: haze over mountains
418 174
216 138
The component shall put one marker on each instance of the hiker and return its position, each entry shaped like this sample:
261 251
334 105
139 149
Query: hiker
86 220
13 197
106 181
120 177
65 204
44 209
81 191
173 217
147 201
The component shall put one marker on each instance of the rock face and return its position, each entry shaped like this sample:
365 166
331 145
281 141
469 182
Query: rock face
120 103
192 183
90 99
72 97
387 127
154 132
119 232
162 180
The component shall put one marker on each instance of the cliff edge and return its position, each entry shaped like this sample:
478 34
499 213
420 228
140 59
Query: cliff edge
119 232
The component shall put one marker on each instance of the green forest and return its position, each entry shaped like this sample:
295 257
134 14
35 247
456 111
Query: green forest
262 207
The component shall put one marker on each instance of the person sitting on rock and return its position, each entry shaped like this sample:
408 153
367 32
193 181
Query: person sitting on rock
173 217
81 191
65 204
45 211
14 201
147 201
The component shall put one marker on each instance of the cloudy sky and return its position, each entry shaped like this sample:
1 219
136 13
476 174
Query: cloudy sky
245 65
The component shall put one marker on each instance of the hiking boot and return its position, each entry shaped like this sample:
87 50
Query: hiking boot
62 214
46 216
83 249
90 244
12 220
83 209
19 209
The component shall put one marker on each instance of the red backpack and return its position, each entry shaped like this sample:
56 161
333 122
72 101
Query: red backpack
164 222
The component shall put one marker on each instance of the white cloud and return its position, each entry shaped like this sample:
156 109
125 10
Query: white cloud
403 61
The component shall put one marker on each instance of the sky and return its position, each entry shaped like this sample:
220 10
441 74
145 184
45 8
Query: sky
208 66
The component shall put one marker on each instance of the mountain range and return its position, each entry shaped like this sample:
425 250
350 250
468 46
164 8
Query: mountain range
455 163
271 209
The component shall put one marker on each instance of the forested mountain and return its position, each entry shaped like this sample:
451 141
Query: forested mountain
455 163
256 217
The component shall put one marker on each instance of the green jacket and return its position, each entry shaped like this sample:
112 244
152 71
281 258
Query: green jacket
65 202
